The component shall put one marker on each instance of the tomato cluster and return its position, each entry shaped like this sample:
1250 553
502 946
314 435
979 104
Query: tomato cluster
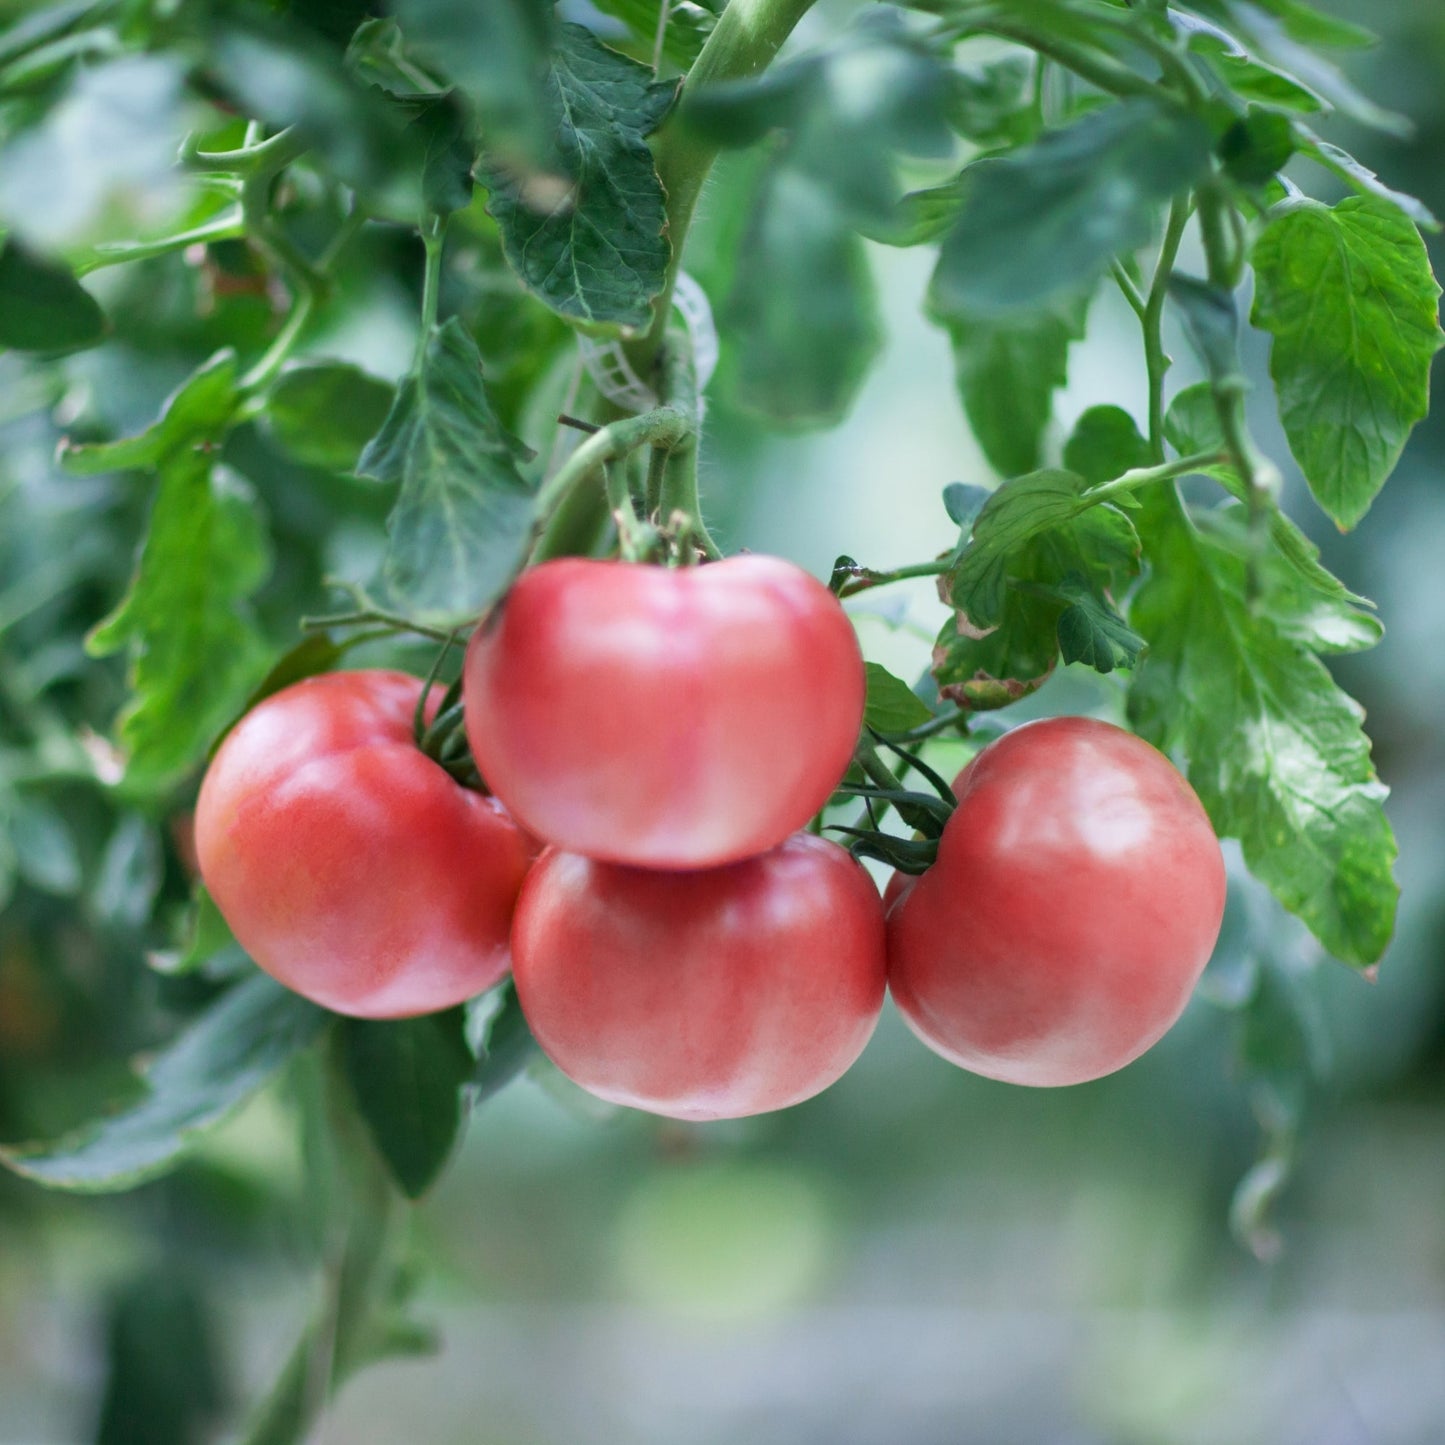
679 943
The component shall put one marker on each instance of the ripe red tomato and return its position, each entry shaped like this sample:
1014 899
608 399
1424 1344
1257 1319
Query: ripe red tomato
349 865
669 718
1077 895
706 994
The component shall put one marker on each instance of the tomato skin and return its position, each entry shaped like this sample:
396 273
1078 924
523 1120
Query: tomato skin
1076 899
667 718
707 994
349 865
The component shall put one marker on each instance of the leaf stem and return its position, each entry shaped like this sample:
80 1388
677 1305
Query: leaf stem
433 235
861 579
1137 477
228 226
664 427
1225 264
1156 361
374 617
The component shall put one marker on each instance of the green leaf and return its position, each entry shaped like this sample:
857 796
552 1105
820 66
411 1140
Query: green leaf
847 112
991 104
920 217
499 1037
803 314
963 502
1036 546
461 523
42 306
497 54
1349 298
448 155
195 652
324 412
1257 146
1007 370
223 1057
1272 40
1092 632
45 853
688 25
1048 515
1310 26
195 416
407 1076
205 942
1044 222
1275 750
1314 607
289 78
593 246
1361 178
1104 444
990 668
893 706
1211 323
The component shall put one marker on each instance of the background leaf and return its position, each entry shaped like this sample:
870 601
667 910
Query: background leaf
222 1058
324 412
803 311
1043 222
1008 369
42 306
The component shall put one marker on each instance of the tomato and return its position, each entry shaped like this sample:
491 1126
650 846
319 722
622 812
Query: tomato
351 866
1077 895
706 994
669 718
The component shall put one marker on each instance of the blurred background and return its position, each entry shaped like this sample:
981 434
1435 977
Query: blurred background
1240 1238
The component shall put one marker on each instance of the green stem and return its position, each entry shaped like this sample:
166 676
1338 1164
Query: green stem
230 225
861 579
280 348
1100 72
1225 263
748 34
374 616
359 1270
1133 480
665 427
1132 294
915 816
1156 360
433 236
253 156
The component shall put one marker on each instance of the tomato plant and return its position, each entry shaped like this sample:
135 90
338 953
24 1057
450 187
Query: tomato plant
342 336
721 706
349 865
706 994
1077 896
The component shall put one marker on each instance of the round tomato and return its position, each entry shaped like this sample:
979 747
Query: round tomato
351 866
668 718
706 994
1077 895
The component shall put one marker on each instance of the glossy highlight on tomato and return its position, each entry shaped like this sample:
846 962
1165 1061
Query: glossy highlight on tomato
707 994
668 718
348 864
1076 899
